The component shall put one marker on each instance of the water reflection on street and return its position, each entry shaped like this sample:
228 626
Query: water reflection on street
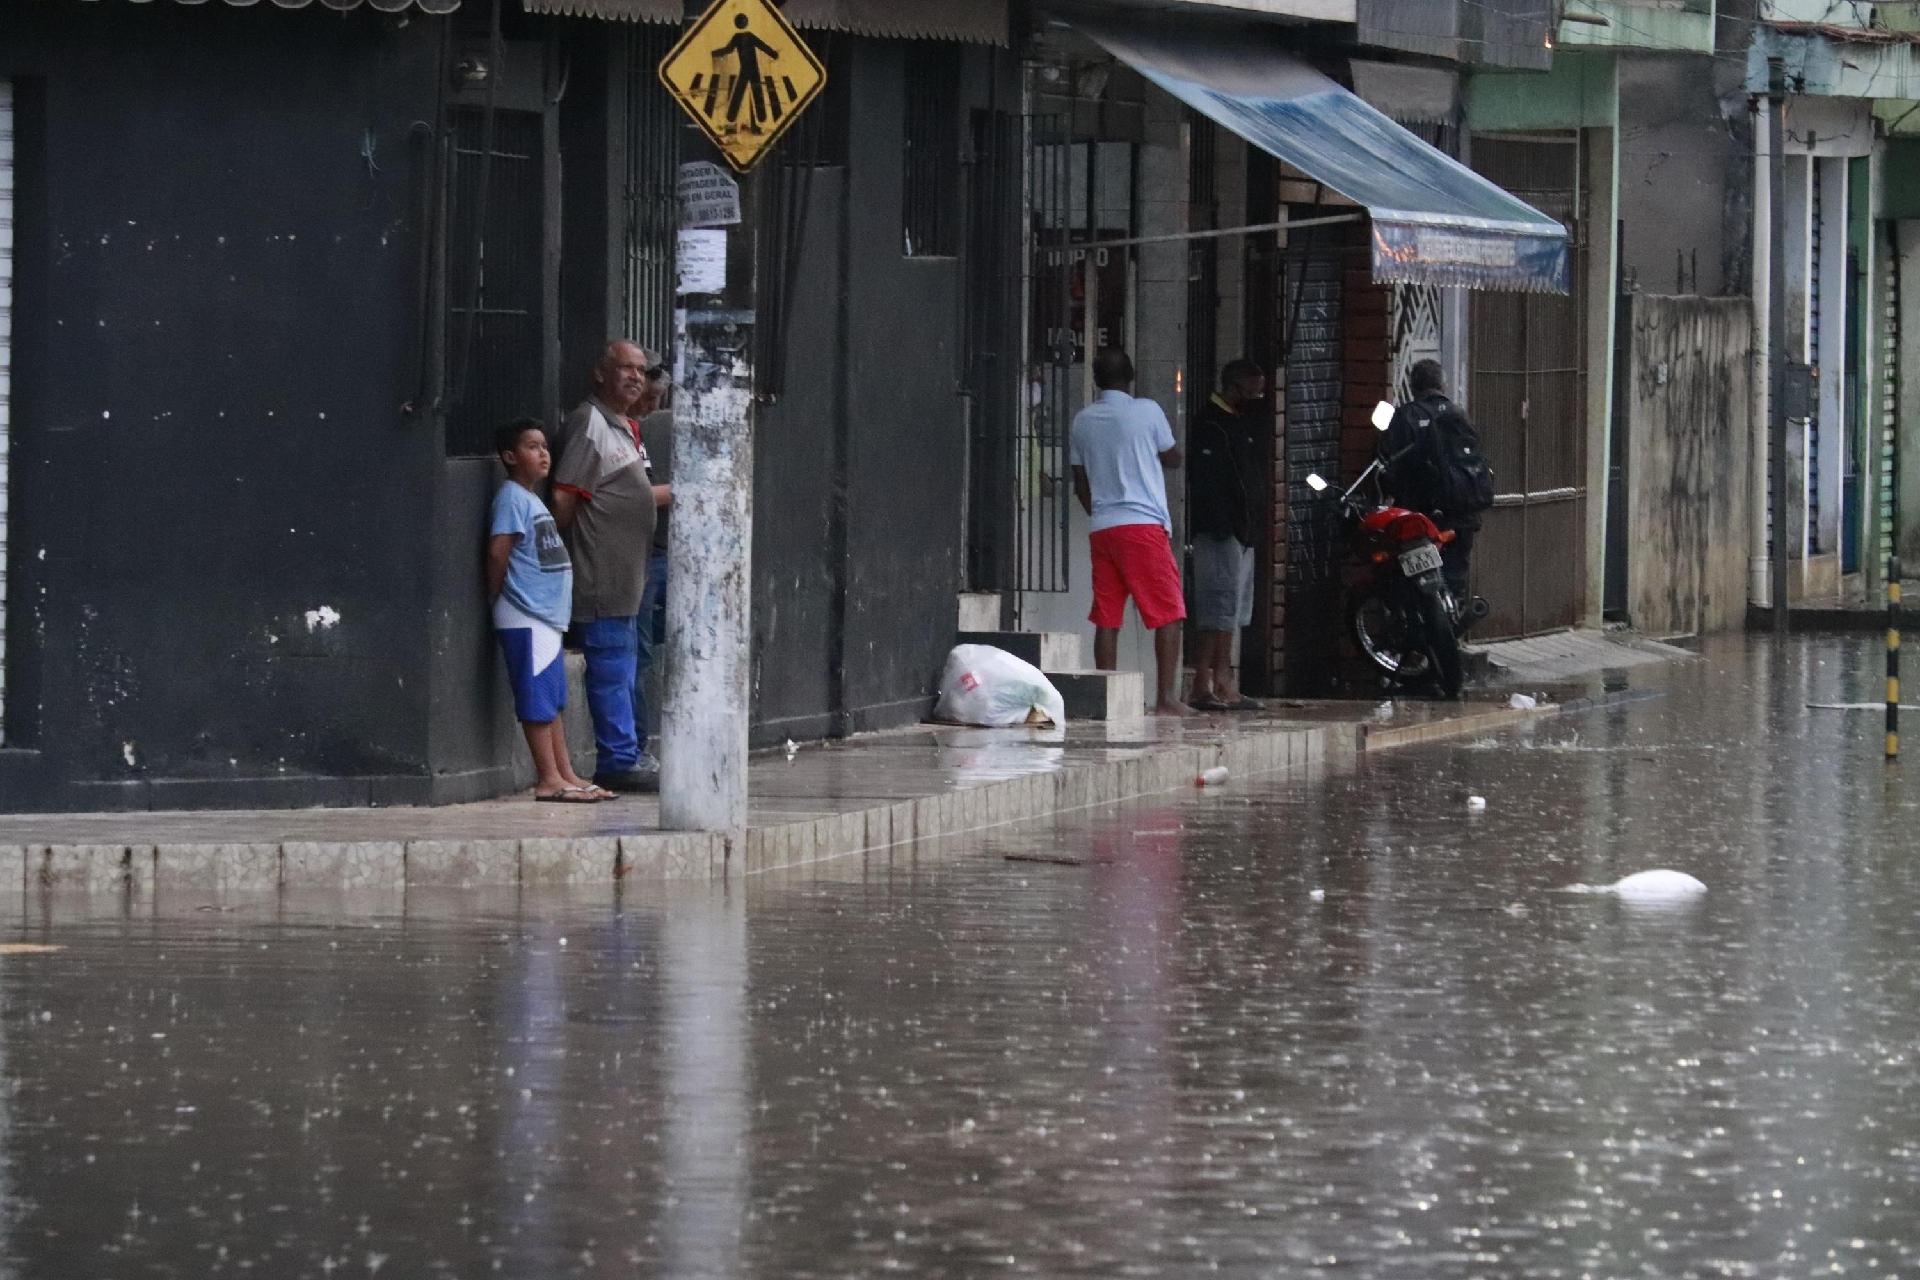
1327 1023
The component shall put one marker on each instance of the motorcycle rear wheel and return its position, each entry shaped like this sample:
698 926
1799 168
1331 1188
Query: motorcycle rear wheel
1384 634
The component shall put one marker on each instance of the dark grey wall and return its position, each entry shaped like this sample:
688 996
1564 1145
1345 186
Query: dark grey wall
866 449
218 248
795 494
1686 163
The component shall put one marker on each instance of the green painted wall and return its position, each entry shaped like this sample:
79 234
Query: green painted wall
1580 92
1900 179
1638 26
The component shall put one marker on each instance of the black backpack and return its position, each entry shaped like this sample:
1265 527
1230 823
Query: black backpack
1462 480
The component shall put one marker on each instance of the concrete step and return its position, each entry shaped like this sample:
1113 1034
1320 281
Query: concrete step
1101 695
1047 650
979 611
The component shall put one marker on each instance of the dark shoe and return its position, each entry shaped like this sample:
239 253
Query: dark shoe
1244 703
636 781
1209 705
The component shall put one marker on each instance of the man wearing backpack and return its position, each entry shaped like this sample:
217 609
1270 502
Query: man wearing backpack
1433 465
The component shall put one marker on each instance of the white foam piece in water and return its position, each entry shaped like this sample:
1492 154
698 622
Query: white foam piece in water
1648 886
1658 884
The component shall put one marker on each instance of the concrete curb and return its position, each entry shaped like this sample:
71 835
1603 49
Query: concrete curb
1038 795
159 869
1385 737
143 869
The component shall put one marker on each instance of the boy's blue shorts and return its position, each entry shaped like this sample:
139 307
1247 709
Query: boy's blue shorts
535 667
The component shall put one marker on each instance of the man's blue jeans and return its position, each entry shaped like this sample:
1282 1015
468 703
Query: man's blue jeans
611 661
647 629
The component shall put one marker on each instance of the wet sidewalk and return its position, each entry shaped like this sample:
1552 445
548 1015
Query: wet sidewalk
826 801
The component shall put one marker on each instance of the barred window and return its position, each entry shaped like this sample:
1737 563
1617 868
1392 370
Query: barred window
494 246
930 213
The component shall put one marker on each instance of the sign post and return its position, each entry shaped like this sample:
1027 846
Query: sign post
743 75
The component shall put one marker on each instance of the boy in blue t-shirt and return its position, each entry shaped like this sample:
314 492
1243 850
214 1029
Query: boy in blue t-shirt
530 581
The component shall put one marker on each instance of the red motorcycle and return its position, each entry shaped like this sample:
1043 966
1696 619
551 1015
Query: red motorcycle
1401 612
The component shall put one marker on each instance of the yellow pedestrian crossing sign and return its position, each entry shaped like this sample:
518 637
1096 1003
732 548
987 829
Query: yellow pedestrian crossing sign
743 74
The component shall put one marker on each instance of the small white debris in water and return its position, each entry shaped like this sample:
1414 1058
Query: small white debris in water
1212 777
323 618
1523 702
1476 804
563 942
1318 895
1643 885
793 748
1660 885
126 753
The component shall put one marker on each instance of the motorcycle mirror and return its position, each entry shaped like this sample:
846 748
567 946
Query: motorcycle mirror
1315 483
1382 415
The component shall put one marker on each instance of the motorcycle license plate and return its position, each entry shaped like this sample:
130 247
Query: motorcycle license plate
1420 560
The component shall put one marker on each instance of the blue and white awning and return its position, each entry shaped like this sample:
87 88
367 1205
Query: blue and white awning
1435 221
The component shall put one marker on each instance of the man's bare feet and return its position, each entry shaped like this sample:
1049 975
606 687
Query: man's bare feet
1171 707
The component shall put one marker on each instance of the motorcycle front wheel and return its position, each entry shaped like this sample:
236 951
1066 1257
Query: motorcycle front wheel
1387 638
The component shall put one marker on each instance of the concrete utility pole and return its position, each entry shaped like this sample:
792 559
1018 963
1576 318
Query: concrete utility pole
1777 341
703 765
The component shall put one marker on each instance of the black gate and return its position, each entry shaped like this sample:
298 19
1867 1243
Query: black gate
1313 279
994 378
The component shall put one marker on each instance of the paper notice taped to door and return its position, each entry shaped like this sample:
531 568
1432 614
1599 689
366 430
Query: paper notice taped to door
702 262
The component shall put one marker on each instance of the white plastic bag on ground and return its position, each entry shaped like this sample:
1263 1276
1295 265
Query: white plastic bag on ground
990 687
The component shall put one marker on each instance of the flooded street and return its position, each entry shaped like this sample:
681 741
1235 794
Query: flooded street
1321 1024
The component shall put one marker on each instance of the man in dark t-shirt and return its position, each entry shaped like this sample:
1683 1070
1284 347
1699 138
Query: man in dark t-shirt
1223 521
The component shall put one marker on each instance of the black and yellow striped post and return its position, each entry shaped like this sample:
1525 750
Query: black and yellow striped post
1893 658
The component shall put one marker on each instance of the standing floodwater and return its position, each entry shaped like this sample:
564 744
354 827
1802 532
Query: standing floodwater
1334 1024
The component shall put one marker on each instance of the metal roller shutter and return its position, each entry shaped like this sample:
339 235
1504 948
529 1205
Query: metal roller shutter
1813 348
6 363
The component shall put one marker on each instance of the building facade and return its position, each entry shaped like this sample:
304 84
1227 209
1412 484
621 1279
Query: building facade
272 277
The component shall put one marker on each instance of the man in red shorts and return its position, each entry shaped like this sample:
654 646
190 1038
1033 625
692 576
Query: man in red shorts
1119 448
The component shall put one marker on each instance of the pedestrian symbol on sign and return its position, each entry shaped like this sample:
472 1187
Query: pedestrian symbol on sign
747 48
743 74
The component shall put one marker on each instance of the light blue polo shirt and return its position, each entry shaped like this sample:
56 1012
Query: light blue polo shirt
1118 440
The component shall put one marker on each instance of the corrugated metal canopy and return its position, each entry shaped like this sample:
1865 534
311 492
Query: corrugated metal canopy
978 21
384 6
1435 221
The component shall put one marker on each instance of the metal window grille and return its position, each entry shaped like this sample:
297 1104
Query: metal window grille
930 217
651 146
494 265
